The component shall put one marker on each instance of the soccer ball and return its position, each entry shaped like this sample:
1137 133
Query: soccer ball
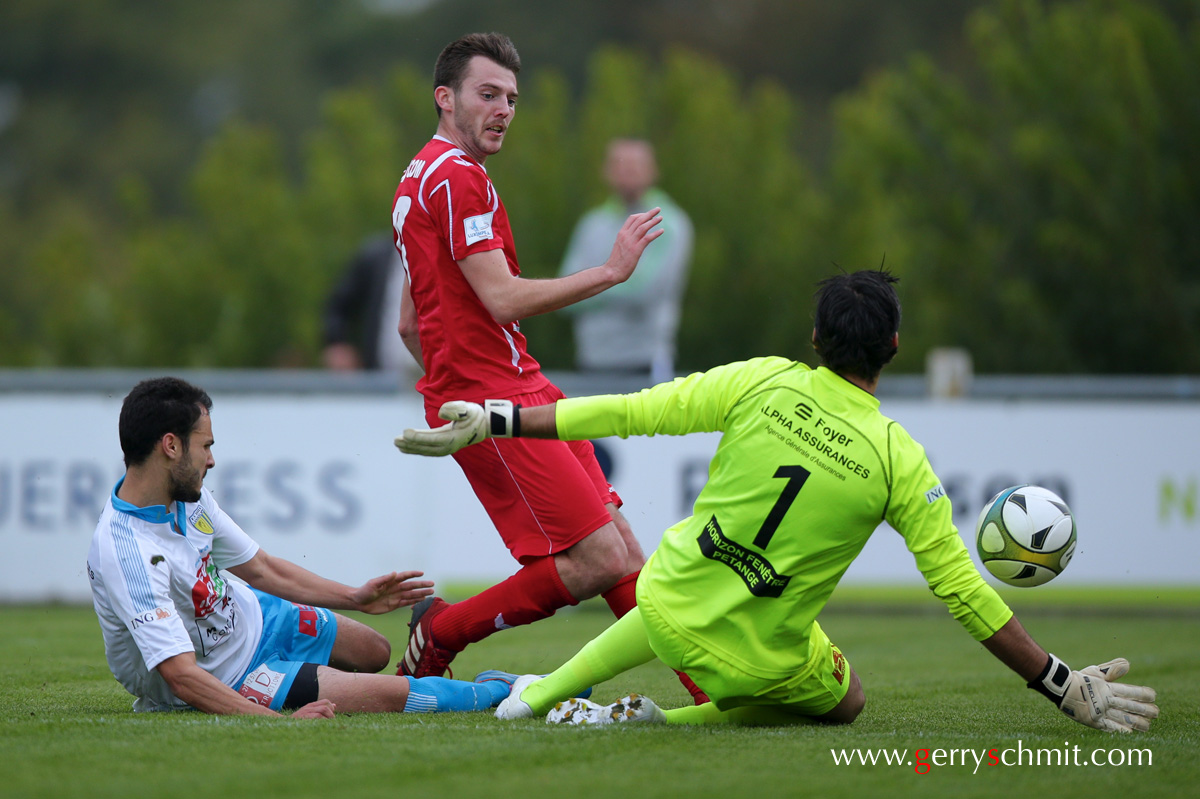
1025 535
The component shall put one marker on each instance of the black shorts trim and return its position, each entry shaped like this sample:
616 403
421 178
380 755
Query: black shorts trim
304 688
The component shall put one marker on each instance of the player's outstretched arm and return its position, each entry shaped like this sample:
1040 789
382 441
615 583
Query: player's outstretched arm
632 239
508 297
391 591
1090 696
470 423
294 583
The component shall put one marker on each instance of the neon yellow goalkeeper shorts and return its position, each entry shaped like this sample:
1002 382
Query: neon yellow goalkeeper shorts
815 690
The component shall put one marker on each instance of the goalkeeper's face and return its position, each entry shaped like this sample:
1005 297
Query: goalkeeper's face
483 107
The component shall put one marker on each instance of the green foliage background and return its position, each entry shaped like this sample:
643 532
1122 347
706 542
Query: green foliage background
1035 183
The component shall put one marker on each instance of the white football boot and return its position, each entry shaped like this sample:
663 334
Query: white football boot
513 707
634 707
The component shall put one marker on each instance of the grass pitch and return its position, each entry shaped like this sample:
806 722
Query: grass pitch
68 730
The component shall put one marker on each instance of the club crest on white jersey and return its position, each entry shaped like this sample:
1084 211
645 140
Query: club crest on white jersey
199 519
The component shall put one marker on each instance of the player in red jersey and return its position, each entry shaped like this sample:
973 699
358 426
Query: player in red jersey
459 317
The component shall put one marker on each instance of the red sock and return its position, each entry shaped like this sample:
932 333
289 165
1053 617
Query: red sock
622 597
533 593
698 696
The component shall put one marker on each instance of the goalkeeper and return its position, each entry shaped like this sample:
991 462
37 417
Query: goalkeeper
806 469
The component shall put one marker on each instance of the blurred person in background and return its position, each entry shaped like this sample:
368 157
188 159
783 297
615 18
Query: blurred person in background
362 314
179 632
632 326
460 316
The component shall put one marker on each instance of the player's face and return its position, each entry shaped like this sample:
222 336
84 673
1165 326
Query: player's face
187 474
483 108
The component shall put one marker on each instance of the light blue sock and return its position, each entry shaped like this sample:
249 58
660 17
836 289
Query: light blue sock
437 694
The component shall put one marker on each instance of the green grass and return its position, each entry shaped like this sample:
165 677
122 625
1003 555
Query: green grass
68 730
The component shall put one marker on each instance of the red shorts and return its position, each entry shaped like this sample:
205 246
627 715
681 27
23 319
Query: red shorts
543 496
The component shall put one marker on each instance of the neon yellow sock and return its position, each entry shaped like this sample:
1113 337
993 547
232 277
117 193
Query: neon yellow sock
618 649
749 716
695 714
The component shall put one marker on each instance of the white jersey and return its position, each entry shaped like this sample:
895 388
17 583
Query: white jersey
159 591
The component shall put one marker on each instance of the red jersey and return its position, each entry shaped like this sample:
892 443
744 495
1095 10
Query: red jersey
446 209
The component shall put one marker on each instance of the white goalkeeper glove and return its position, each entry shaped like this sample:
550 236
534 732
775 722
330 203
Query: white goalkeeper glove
470 423
1091 696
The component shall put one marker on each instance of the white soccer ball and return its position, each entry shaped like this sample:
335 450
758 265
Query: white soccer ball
1025 535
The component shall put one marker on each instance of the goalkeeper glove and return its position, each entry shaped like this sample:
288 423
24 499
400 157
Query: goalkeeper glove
470 423
1091 696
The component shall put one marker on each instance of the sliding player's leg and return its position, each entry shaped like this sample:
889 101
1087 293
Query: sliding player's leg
386 693
358 647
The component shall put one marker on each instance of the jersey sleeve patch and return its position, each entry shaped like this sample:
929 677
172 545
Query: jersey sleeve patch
935 493
477 228
199 519
149 617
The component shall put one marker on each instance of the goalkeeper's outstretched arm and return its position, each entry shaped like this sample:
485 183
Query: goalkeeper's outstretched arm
1090 696
470 423
539 421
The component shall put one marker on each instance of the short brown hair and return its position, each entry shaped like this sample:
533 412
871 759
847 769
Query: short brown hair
451 66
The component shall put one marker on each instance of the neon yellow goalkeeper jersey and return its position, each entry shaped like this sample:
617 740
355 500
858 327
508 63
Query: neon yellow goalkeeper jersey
806 469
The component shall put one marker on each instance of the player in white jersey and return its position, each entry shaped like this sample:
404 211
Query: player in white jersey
179 631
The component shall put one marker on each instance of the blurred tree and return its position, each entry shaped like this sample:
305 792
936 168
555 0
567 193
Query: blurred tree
725 155
814 50
615 102
106 87
757 213
180 184
228 284
92 91
1044 215
350 167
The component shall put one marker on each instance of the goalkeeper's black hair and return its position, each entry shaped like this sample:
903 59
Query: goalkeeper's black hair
857 319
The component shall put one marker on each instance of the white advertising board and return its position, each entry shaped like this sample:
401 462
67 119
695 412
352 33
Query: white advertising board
316 479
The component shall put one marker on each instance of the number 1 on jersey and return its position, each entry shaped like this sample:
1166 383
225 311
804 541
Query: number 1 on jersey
795 476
